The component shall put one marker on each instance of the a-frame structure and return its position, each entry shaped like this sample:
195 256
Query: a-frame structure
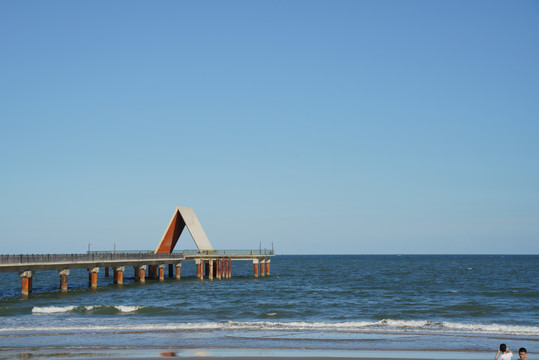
183 216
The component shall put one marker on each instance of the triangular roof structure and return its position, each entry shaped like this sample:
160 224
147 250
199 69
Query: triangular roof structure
183 216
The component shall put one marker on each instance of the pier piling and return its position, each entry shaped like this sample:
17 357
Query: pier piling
162 273
63 279
142 274
199 263
92 277
218 269
178 270
119 275
255 262
26 282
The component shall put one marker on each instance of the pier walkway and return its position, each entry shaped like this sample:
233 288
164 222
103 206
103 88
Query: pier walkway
210 263
215 264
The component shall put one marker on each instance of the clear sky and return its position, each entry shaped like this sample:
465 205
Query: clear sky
319 126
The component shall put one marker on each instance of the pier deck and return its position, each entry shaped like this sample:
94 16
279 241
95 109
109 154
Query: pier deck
40 262
210 264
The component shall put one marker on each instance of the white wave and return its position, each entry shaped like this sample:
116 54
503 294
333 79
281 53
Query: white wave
383 326
52 309
62 309
127 308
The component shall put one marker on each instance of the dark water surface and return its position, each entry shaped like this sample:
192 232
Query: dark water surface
344 304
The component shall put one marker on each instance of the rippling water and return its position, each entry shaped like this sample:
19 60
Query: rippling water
341 303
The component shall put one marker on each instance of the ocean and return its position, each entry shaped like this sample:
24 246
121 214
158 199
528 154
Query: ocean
409 306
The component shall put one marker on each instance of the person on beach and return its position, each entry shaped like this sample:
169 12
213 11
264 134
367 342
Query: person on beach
523 353
506 354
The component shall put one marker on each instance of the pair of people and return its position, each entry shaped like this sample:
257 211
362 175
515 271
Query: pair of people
505 354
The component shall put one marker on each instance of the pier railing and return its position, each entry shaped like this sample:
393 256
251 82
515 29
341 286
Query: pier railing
228 252
121 255
91 256
194 252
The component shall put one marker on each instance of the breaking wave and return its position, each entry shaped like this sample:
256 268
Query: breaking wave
80 309
382 326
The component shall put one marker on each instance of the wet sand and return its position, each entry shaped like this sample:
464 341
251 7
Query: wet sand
214 354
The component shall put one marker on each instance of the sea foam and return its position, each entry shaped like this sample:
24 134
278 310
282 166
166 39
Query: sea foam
72 308
382 326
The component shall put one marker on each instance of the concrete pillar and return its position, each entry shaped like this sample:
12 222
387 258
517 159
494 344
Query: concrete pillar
106 271
229 268
210 269
224 269
136 271
26 282
263 267
207 268
63 279
268 267
92 277
119 275
255 262
162 272
178 270
218 269
200 273
170 270
142 273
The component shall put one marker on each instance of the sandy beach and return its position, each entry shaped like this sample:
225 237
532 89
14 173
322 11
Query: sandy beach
228 353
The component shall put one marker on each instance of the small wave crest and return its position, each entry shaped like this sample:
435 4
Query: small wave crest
52 309
384 326
92 308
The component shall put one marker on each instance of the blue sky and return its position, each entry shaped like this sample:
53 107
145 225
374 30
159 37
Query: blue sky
318 126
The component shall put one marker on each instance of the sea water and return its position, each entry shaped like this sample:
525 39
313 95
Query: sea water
458 306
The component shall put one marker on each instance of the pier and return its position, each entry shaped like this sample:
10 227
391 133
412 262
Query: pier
210 263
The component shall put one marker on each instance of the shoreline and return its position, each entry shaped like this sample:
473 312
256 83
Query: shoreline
235 353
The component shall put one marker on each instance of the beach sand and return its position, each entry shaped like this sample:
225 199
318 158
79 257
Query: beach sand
228 354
